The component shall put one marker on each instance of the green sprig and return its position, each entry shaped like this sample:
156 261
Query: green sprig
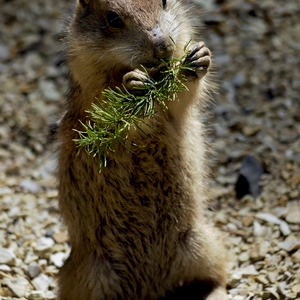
110 120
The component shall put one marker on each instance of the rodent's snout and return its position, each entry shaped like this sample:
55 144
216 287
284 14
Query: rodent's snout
164 51
163 45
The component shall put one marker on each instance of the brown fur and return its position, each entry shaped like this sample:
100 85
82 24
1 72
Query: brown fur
137 229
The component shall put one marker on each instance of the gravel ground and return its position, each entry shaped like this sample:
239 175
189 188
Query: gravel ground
256 48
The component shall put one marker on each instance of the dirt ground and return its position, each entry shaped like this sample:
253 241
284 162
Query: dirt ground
256 111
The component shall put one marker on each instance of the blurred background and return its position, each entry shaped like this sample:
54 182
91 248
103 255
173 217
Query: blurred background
256 112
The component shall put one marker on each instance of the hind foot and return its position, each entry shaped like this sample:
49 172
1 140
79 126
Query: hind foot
197 290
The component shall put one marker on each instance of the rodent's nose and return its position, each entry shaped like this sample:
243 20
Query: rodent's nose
163 46
164 51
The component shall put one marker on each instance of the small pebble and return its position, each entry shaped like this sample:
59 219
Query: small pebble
58 259
49 90
60 237
4 52
248 221
44 244
18 286
33 269
244 256
267 217
293 217
7 257
237 297
249 270
234 280
296 289
41 282
259 250
284 228
30 185
257 229
262 279
295 180
296 256
5 268
290 243
272 276
36 295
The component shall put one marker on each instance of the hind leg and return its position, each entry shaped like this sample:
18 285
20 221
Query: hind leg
87 277
205 265
212 262
218 293
196 290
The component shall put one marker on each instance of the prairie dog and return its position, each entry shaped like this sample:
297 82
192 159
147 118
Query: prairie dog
137 229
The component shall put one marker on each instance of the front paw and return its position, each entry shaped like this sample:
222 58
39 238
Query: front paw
199 59
136 82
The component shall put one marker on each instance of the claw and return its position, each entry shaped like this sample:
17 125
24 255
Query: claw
136 80
193 51
199 58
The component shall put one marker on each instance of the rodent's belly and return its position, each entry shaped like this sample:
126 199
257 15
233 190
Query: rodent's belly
146 205
141 199
146 231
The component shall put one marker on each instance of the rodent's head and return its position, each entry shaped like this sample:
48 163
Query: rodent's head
127 33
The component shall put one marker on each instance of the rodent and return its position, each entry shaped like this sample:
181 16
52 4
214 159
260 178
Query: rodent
138 228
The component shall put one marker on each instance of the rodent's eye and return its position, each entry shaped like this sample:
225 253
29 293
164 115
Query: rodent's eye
114 20
164 3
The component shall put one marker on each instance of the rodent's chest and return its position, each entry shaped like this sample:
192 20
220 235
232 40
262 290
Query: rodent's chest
146 181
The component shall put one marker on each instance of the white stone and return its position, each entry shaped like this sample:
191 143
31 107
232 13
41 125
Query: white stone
234 280
42 282
244 256
4 52
18 286
257 229
36 295
249 270
30 185
5 191
58 259
30 257
293 217
268 218
7 257
33 269
44 244
290 243
5 268
237 297
284 228
49 90
50 295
